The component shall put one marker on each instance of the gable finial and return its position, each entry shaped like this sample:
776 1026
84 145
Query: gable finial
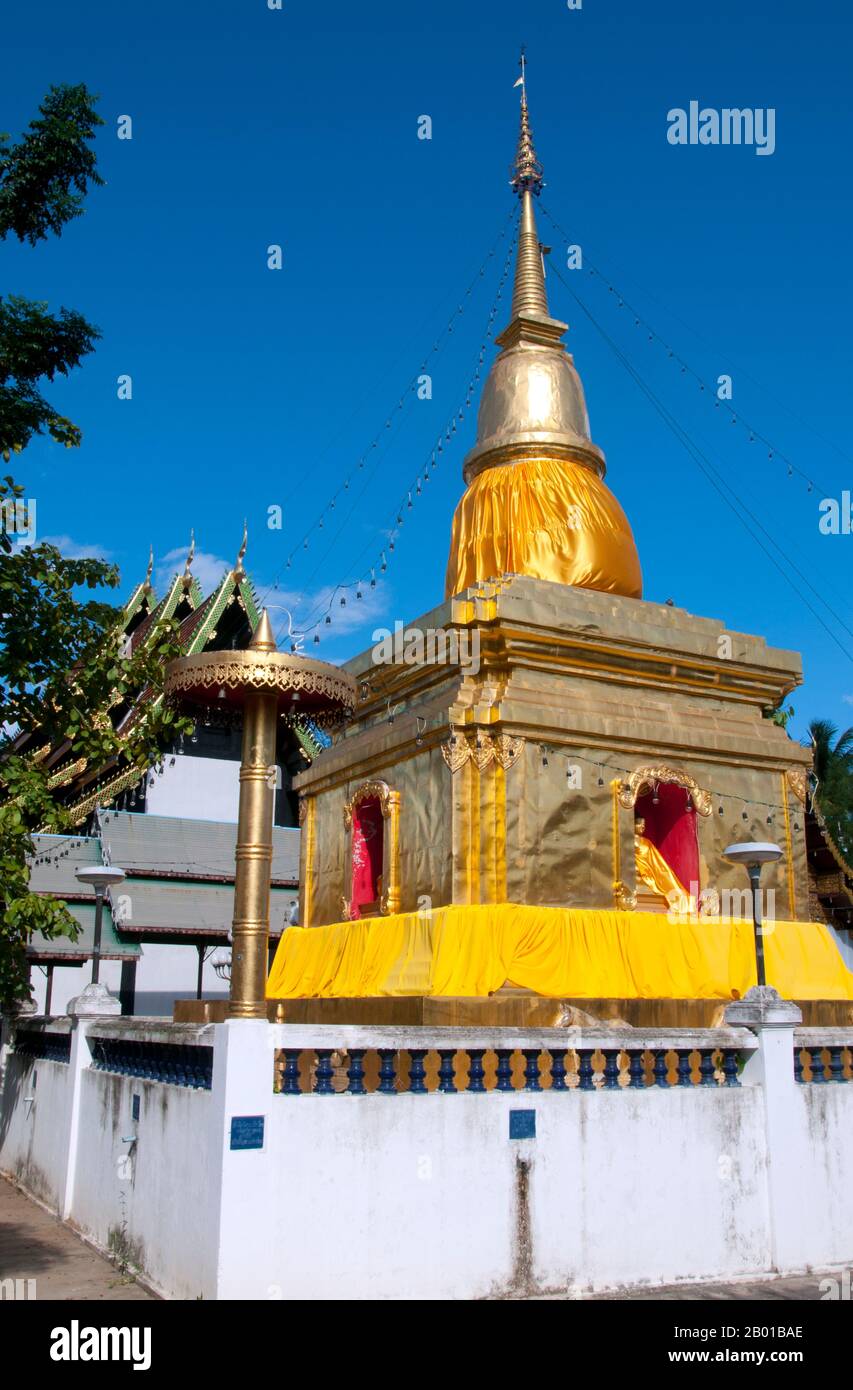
238 570
187 579
149 571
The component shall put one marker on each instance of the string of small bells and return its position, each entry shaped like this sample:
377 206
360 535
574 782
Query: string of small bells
613 769
416 487
411 389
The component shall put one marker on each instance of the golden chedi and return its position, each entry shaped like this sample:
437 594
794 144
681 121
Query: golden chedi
539 810
536 503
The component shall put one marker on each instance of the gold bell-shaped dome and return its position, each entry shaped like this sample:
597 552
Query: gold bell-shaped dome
536 502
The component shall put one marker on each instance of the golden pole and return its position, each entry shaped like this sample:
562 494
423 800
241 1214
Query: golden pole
250 930
262 681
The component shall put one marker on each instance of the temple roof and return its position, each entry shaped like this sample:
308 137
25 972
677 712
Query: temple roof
174 911
179 885
226 617
53 875
61 950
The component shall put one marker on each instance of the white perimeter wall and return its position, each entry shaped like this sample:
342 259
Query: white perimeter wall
35 1119
155 1195
428 1197
417 1197
821 1141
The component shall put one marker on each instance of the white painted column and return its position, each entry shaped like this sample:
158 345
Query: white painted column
773 1020
246 1182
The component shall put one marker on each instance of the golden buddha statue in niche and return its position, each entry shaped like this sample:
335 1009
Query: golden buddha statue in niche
652 868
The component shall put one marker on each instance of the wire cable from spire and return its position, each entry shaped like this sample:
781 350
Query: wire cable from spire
718 482
754 435
321 614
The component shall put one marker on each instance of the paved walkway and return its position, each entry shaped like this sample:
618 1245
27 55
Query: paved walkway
35 1245
800 1287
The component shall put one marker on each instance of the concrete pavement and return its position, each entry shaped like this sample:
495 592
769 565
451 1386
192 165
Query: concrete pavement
35 1246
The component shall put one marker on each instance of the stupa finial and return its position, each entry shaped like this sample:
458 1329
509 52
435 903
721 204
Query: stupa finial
529 299
526 171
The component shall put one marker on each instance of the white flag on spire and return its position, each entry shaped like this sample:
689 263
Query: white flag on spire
519 83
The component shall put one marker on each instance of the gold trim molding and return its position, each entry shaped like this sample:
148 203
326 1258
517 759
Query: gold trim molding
624 900
106 793
643 779
482 749
202 677
67 774
797 780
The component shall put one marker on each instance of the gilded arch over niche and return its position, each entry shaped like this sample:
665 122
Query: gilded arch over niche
387 899
643 779
625 796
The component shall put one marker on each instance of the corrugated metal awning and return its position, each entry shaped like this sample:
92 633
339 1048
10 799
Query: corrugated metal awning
65 951
174 847
150 908
64 852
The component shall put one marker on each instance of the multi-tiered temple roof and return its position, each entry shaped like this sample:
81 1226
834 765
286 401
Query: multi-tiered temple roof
226 617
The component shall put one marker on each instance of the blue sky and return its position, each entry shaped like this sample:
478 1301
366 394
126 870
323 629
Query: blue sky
254 388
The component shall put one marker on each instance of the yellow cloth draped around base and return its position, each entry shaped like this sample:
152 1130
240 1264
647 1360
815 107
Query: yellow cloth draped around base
548 518
653 870
572 953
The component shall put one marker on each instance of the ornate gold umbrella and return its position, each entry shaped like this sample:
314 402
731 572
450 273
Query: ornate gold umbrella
267 685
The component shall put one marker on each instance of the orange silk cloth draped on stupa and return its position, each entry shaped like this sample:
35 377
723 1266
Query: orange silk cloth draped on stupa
568 953
548 518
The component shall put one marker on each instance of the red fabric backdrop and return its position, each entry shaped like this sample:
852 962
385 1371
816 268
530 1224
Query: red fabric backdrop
366 853
671 827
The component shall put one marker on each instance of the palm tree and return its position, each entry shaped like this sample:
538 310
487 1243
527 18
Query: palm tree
832 765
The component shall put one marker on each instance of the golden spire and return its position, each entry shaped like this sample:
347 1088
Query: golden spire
535 502
532 400
530 320
528 295
262 638
529 299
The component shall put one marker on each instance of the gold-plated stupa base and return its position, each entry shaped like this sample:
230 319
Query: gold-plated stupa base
506 1009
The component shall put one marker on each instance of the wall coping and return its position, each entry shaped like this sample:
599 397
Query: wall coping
305 1035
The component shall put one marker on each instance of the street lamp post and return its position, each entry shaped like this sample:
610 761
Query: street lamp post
100 878
752 855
